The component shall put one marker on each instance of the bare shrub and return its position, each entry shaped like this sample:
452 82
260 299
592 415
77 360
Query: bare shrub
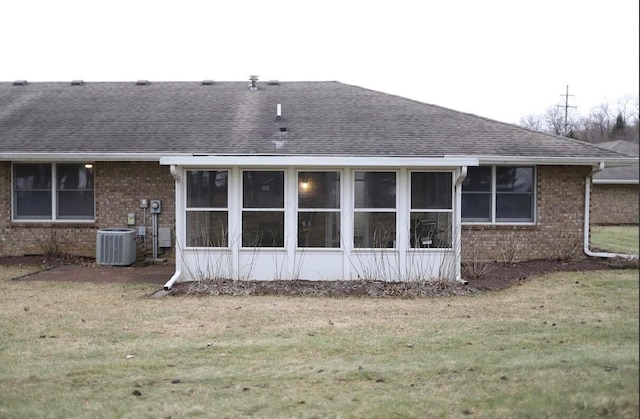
510 248
50 246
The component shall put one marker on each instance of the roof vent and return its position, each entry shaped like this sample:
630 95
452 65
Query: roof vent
142 83
207 82
274 82
278 111
254 80
77 82
20 83
283 130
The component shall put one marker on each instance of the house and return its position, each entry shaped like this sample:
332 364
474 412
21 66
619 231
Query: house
615 194
279 180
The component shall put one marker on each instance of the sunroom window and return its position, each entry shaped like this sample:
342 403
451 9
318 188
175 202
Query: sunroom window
374 218
50 191
319 209
499 194
431 210
207 208
263 208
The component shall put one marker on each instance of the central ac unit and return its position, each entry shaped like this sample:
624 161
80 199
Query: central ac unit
116 246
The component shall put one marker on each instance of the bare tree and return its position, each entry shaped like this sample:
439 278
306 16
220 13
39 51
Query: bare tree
604 122
554 121
532 122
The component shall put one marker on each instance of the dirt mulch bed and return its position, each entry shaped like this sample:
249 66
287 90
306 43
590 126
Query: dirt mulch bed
495 276
489 277
46 262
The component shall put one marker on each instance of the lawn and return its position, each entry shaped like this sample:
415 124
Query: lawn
618 239
563 345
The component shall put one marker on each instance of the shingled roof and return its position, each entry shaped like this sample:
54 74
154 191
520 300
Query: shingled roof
228 118
619 175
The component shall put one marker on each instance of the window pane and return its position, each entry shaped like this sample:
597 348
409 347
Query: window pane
32 176
514 207
478 179
375 189
514 179
207 229
74 177
36 204
207 189
263 229
263 189
431 229
431 190
75 204
319 229
318 190
374 230
476 206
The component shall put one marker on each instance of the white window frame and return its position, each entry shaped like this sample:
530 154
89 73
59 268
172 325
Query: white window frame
355 210
206 209
54 195
493 199
243 209
433 210
337 210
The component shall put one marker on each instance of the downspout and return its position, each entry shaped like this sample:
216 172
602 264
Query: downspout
458 224
178 273
587 205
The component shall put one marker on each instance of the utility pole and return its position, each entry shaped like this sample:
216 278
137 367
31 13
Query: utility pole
566 111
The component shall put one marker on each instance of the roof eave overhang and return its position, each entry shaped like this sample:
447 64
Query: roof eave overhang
616 181
318 161
73 156
559 161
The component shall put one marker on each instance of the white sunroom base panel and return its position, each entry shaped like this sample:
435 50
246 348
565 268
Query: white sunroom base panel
276 264
323 265
432 264
390 265
270 264
203 264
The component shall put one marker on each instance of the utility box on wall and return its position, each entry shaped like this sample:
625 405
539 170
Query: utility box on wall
164 237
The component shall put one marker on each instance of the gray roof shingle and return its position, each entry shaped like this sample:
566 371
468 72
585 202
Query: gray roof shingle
322 118
619 174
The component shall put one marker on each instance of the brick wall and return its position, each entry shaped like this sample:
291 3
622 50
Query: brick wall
614 204
119 186
557 233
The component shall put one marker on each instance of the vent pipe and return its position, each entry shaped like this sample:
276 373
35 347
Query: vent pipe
254 80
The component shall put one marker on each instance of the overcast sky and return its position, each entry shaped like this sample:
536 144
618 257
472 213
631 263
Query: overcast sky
502 59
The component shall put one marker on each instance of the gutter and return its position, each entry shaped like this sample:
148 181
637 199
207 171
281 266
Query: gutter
587 204
178 273
78 156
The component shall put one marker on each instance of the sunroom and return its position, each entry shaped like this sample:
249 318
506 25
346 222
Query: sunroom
317 218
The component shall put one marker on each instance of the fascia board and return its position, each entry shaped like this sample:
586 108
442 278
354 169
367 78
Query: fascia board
318 161
558 161
72 157
616 181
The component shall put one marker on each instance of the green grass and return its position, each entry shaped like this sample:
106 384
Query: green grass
564 345
618 239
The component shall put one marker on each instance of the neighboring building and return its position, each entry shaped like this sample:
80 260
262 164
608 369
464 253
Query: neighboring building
615 193
271 180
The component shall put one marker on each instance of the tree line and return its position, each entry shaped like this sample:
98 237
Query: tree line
605 122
